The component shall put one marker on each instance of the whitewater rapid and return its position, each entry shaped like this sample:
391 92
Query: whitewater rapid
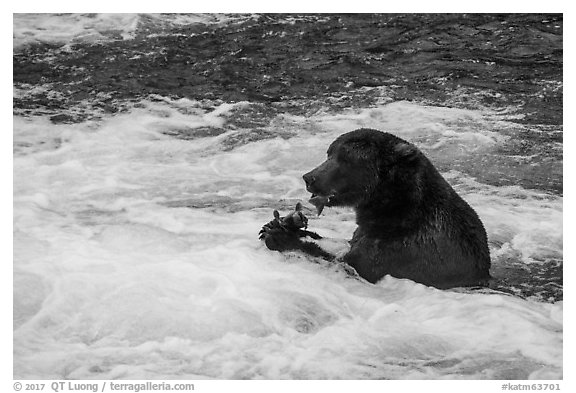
136 253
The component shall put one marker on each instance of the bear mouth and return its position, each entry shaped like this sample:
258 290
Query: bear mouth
320 201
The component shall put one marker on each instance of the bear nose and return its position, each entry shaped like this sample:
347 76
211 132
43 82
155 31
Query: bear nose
309 179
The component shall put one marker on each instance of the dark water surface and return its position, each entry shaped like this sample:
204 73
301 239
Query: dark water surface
454 60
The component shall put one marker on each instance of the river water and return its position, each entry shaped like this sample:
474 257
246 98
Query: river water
135 230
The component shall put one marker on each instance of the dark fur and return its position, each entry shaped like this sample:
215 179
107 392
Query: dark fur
411 222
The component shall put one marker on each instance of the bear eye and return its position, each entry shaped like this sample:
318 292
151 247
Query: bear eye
346 159
347 155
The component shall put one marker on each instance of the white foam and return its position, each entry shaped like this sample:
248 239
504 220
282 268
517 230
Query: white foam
525 224
132 281
65 28
411 120
91 28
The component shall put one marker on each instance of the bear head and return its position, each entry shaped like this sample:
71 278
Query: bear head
364 165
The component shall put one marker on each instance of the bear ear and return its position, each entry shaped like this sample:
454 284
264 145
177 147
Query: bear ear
406 151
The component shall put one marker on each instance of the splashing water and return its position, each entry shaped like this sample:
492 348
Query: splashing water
136 253
93 28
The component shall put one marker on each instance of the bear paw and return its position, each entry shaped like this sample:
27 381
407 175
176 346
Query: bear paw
279 239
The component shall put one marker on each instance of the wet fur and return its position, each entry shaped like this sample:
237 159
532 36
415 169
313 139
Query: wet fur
411 222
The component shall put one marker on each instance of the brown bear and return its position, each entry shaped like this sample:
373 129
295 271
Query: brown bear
411 222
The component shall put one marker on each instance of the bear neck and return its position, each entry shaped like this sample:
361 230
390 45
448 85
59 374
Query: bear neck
395 219
401 206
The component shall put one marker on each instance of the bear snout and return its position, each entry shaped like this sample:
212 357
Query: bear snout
315 182
309 179
319 180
